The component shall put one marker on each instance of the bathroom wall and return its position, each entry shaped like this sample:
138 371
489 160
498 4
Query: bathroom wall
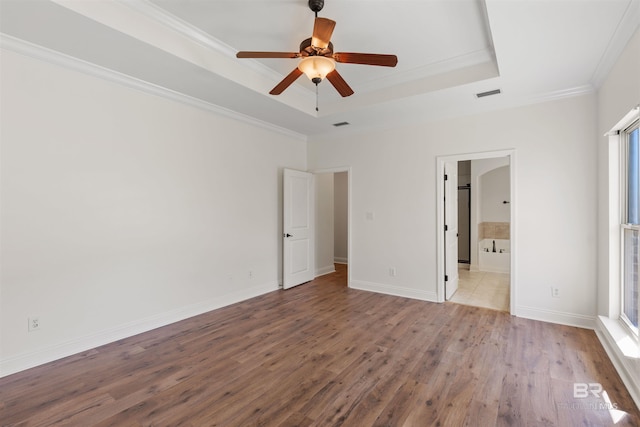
489 187
494 230
494 191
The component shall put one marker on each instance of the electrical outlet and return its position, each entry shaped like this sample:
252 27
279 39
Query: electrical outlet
555 292
392 271
34 324
250 274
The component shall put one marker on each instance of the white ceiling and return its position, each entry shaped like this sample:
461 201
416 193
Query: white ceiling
448 50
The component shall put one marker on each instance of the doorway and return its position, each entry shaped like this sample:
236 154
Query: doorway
333 197
482 231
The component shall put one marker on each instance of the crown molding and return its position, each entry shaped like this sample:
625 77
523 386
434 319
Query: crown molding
561 94
158 14
195 34
57 58
427 71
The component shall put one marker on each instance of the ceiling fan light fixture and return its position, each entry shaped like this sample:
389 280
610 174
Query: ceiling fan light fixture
316 68
317 58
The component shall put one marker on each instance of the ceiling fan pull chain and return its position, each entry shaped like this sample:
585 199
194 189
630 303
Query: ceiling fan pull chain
317 97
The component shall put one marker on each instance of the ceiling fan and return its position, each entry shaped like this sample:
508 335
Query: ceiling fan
318 59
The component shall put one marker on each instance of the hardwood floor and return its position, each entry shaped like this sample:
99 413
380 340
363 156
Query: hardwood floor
321 354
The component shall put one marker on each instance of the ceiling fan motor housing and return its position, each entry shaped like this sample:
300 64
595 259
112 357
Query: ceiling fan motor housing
316 5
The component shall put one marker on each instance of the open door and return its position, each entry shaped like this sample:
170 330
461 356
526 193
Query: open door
450 228
299 228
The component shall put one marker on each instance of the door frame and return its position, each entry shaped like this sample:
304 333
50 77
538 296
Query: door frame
450 217
440 268
349 199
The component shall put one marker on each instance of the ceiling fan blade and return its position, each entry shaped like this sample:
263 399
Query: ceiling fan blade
286 82
366 59
322 30
338 82
249 54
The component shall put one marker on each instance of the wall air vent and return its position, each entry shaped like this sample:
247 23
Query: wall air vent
488 93
341 124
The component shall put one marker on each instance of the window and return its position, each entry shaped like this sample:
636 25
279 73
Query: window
631 226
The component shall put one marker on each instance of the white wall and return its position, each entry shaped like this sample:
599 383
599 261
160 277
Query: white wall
340 217
324 224
122 211
394 178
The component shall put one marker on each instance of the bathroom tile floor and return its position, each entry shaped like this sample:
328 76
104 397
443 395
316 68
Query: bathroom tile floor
482 289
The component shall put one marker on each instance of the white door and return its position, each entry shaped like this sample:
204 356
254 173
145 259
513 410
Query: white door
298 230
450 228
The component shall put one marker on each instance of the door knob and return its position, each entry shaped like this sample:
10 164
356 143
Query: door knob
288 235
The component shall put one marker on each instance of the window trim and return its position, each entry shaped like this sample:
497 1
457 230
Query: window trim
623 317
624 166
630 123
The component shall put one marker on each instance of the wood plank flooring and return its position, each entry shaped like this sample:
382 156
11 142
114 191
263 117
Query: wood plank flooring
322 355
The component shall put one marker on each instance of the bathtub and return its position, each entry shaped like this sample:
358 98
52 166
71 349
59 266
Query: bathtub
496 262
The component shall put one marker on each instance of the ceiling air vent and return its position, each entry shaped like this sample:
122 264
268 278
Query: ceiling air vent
488 93
341 124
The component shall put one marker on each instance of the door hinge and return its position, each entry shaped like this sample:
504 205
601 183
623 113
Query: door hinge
446 228
446 278
446 177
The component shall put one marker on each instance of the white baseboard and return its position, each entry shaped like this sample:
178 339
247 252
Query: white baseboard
610 333
25 361
340 260
394 290
552 316
325 270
